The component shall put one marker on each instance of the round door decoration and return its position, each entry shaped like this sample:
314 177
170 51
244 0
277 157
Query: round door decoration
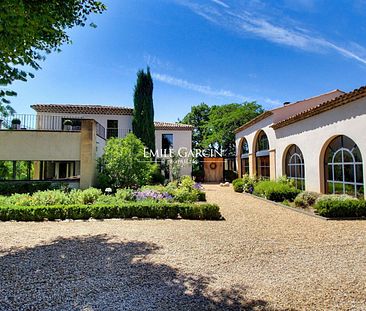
213 166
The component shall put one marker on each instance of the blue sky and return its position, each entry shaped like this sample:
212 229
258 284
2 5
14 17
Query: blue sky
212 51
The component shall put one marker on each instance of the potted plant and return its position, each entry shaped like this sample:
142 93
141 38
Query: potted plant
68 125
15 124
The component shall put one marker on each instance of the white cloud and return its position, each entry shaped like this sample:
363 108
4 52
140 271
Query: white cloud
252 23
223 4
207 90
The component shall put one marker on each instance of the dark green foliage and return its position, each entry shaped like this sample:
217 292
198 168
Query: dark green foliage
276 191
223 120
143 113
31 29
124 164
341 208
230 175
8 188
126 210
157 178
306 199
198 117
238 185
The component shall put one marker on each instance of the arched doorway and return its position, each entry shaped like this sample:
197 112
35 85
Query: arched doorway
262 156
244 157
295 166
343 171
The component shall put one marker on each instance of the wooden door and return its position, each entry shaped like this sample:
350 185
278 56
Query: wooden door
214 169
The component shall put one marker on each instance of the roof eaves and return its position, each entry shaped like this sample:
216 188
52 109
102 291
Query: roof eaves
253 121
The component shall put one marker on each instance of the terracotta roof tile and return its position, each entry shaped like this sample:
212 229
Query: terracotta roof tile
173 126
328 105
82 109
254 121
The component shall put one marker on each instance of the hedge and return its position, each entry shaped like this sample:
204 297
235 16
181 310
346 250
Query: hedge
238 185
9 188
104 211
276 191
340 208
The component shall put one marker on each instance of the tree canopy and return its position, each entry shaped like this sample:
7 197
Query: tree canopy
30 29
198 117
143 113
216 124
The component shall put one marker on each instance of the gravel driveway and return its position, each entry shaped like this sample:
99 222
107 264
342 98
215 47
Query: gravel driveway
262 257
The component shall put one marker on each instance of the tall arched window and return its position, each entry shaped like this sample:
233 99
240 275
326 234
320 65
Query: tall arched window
295 167
262 155
244 157
343 167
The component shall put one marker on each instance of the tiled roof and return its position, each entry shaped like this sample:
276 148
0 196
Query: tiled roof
322 107
82 109
254 121
173 126
291 109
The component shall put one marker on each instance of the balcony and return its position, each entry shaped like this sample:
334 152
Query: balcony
68 123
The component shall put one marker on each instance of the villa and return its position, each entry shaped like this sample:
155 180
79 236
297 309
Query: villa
63 142
319 142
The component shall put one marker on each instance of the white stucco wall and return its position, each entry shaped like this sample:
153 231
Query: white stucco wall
181 139
124 121
312 135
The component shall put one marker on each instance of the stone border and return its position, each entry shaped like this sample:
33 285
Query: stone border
302 211
288 207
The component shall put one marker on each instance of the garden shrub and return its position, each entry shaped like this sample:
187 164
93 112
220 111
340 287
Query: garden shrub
276 191
50 197
238 185
306 199
125 195
103 211
248 183
9 188
340 206
90 195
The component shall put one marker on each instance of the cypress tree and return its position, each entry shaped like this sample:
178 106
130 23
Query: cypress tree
143 114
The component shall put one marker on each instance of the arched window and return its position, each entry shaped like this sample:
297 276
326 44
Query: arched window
262 155
295 167
244 157
343 167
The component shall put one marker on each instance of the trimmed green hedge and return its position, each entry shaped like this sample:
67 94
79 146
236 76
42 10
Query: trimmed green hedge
332 207
126 210
276 191
9 188
238 185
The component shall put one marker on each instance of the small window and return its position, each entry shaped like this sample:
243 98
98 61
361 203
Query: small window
112 128
167 142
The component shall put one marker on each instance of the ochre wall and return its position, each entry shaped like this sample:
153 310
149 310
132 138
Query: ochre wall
37 145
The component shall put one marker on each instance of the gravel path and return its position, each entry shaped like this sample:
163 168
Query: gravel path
262 257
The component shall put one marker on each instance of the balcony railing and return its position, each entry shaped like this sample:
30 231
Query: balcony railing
120 133
56 123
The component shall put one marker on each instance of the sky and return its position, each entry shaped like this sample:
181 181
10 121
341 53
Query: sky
212 51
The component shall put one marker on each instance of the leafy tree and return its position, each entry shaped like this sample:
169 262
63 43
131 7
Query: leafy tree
124 164
6 110
198 117
30 29
223 120
143 114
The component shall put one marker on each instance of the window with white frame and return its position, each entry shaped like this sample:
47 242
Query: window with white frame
343 167
295 167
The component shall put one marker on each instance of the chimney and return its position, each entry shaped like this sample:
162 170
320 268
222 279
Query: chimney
286 103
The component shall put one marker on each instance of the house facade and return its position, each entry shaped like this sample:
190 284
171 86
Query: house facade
318 142
63 142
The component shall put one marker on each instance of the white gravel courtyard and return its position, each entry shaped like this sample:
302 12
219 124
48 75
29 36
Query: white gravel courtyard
262 257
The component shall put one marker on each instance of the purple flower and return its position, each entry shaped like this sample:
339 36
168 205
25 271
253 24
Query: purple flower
197 186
